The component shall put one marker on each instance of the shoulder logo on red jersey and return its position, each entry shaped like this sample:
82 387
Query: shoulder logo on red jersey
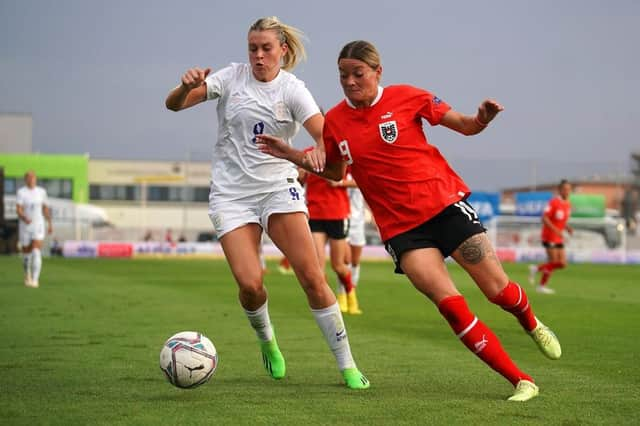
388 131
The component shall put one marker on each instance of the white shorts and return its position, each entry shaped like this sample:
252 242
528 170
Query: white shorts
31 232
356 233
357 221
229 215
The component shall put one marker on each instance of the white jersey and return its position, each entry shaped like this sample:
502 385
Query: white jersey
246 108
32 200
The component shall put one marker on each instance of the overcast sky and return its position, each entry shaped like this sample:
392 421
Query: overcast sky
94 74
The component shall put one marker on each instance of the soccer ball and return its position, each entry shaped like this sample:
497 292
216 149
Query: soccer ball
188 359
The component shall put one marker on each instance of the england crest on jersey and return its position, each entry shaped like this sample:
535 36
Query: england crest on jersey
388 131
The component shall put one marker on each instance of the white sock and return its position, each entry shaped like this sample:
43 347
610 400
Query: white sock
36 264
355 274
26 264
261 322
330 322
339 287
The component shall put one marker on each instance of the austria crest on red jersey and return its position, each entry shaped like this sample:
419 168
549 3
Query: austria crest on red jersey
388 131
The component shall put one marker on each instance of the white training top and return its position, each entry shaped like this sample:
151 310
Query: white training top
32 200
247 107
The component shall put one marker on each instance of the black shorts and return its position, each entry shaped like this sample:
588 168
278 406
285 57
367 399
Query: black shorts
547 244
445 231
337 229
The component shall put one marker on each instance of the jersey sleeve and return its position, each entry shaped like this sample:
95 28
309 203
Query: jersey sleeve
330 143
217 82
301 102
430 107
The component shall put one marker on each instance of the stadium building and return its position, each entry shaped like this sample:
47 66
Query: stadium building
147 198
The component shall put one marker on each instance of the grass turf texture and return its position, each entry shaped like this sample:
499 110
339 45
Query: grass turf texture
84 347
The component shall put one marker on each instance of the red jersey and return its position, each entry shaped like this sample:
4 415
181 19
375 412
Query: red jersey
558 211
324 201
404 179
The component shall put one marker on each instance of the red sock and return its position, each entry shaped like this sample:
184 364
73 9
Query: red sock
551 266
546 267
479 338
547 270
513 299
284 262
346 282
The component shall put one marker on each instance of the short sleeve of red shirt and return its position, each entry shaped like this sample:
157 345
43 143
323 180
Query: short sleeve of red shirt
434 108
331 145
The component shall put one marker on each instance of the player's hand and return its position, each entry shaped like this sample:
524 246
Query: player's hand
194 77
316 158
488 110
50 229
273 146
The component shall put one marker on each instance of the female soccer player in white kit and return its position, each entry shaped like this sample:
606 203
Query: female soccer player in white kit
252 191
32 209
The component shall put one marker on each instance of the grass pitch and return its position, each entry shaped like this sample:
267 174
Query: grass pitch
83 349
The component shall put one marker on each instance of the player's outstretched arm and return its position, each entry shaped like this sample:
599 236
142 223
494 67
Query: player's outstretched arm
305 159
191 91
472 125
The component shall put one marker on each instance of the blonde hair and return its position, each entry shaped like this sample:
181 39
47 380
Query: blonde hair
286 34
363 51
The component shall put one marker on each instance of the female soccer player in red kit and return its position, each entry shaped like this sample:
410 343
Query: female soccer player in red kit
554 222
329 221
418 201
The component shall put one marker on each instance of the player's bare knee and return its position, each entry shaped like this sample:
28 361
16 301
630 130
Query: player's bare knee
312 283
250 288
315 293
252 299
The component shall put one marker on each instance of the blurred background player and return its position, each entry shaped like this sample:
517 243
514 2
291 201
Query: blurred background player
252 192
554 222
284 267
328 206
32 209
356 237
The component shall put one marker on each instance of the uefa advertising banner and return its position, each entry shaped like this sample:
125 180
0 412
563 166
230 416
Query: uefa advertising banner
486 204
587 205
532 203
